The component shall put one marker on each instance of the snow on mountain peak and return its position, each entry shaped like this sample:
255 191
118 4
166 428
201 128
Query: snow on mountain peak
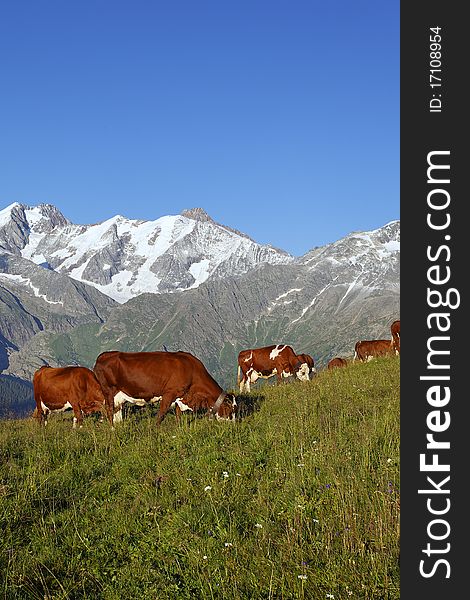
124 258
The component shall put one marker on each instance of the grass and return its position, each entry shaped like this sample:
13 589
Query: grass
299 499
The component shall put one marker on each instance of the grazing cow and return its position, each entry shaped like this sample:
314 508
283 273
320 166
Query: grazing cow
173 378
337 362
58 389
395 330
368 349
279 360
308 360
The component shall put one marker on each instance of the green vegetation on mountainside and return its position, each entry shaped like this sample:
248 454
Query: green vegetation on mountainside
299 499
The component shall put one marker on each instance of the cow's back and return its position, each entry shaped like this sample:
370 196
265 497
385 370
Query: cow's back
147 374
337 362
371 348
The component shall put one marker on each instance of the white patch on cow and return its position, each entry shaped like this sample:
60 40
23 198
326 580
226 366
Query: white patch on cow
303 372
182 406
286 374
120 398
117 417
219 418
47 410
249 358
276 351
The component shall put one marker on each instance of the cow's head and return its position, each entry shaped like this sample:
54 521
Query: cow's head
225 407
303 371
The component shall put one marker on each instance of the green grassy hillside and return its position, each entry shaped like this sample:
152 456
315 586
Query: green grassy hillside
299 499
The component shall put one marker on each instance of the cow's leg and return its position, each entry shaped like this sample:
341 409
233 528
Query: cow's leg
247 383
178 413
165 403
38 414
77 417
109 394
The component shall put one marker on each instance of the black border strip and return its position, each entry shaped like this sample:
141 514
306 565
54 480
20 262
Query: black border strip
422 132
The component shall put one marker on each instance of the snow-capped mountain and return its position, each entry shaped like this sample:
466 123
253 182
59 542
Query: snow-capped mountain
124 258
321 303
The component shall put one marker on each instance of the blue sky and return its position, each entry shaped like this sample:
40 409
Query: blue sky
279 118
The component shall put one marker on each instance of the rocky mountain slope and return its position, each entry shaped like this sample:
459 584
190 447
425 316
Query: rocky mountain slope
34 299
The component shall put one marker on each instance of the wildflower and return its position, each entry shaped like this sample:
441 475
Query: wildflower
204 557
330 596
238 474
225 474
228 545
302 577
259 526
207 488
301 465
173 436
328 485
389 460
315 520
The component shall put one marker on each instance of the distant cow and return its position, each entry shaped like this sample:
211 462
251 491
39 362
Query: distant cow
395 330
58 389
308 360
279 360
173 378
337 362
368 349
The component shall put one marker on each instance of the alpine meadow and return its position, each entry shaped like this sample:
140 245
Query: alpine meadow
297 499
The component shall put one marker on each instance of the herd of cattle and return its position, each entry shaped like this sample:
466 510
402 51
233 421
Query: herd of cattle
174 379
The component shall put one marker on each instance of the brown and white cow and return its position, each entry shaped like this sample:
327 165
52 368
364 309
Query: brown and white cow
308 360
395 330
173 378
337 362
367 349
61 388
279 360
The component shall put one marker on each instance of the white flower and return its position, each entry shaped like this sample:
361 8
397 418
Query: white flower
259 526
315 520
228 545
330 596
225 474
389 460
238 474
301 576
207 488
301 465
204 557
